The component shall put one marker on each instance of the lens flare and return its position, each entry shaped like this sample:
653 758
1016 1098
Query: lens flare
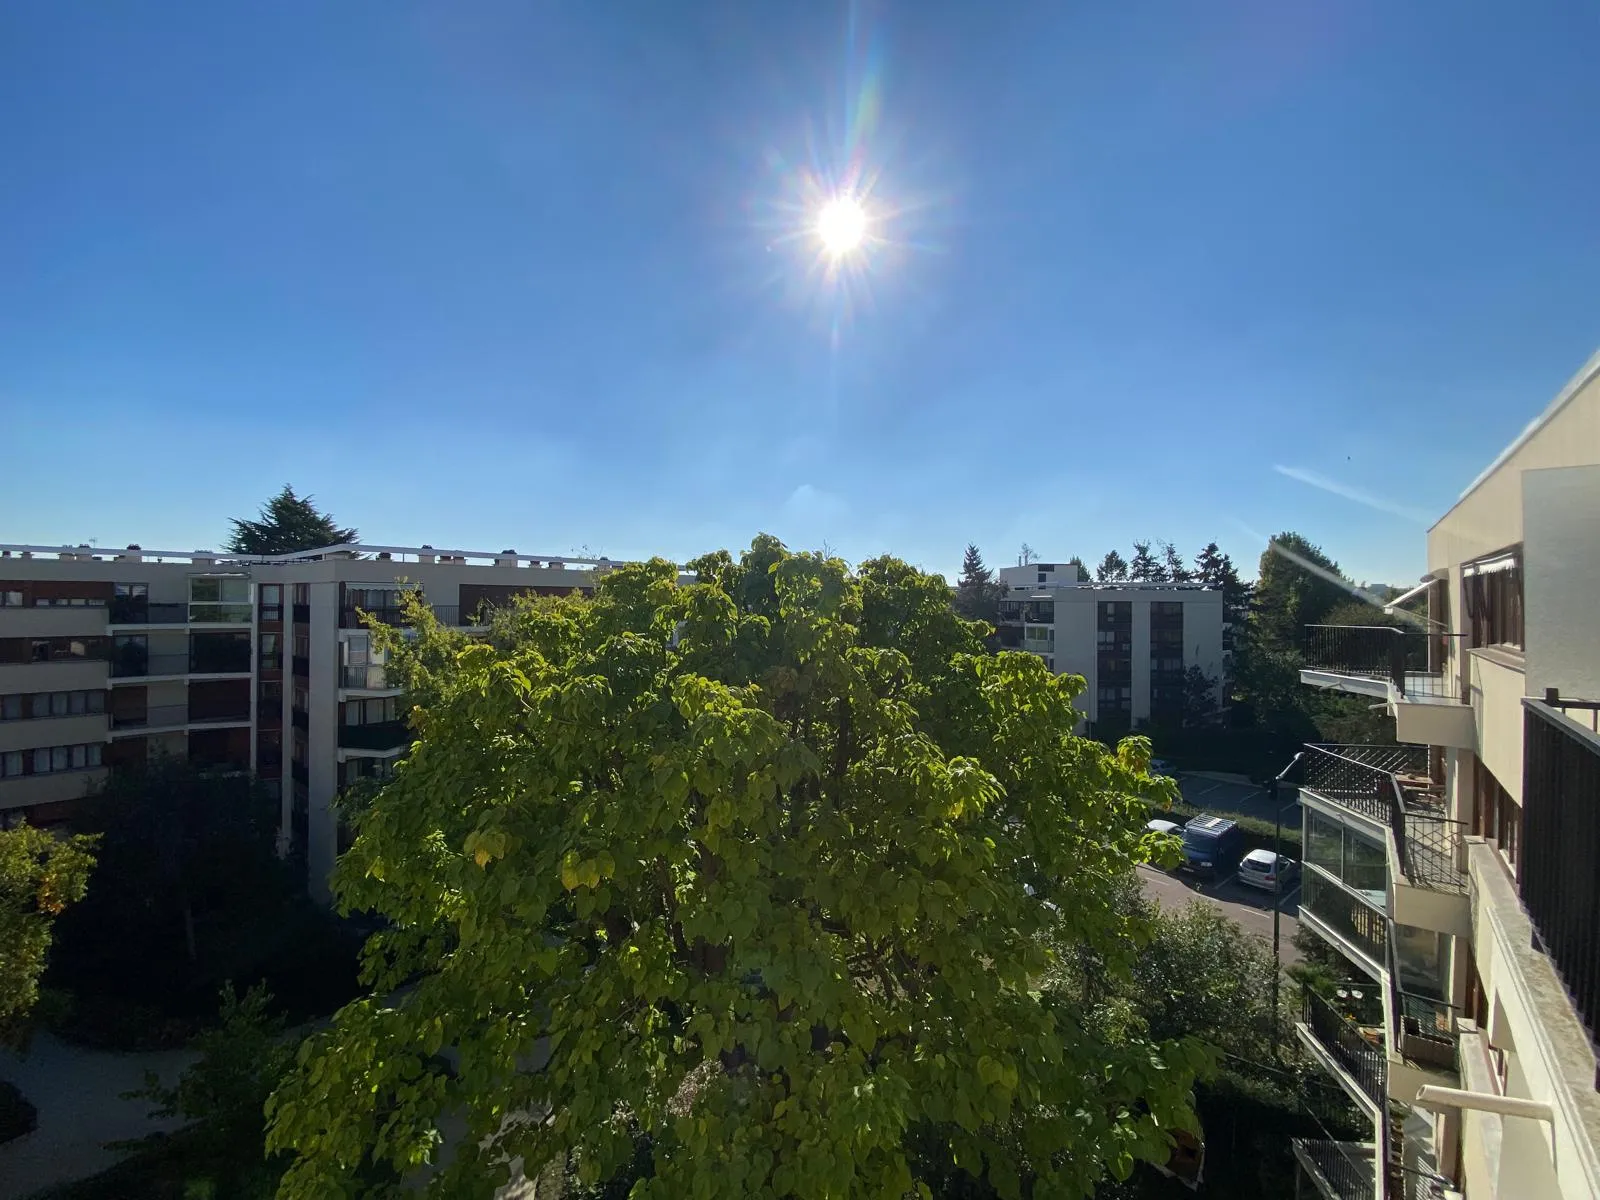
841 225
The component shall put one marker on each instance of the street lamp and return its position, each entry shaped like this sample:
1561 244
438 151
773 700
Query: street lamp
1277 882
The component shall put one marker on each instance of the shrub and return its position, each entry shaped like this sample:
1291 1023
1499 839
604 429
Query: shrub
17 1116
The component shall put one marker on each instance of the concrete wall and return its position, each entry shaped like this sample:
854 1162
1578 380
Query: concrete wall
1076 650
48 789
1561 578
1489 516
1497 691
1548 1055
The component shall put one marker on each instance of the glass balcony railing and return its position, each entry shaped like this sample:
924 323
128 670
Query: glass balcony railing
220 614
385 735
370 677
1363 927
135 610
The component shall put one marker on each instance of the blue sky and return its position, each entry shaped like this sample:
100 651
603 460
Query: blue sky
538 275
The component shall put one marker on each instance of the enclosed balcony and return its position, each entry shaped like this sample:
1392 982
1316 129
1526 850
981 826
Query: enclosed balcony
1384 796
385 735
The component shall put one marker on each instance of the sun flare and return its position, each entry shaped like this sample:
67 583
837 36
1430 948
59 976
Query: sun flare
841 225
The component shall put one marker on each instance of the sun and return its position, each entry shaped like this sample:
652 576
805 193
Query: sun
841 225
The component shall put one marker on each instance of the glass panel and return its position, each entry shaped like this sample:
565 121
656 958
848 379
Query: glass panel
1324 842
272 593
95 750
1419 953
58 758
205 590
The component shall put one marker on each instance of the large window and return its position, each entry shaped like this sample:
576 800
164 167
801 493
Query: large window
22 706
376 711
271 655
1352 858
272 601
51 649
1496 815
219 599
51 760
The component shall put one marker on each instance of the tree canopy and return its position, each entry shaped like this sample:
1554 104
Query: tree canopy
40 875
744 883
286 523
1113 568
1297 585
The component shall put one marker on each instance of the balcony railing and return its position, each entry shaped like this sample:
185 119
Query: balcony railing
1558 880
129 661
371 678
128 610
1356 1047
350 618
1345 1169
1391 785
385 735
1041 612
1426 1030
164 716
1418 664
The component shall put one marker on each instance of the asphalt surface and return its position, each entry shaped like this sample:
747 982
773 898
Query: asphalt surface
1249 906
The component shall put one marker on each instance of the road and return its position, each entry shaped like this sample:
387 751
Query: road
1248 906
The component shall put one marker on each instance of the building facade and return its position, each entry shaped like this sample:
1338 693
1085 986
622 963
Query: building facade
1458 873
260 665
1133 643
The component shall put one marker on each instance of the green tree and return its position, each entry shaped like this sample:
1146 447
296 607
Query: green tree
287 523
1174 566
1145 567
1076 564
753 869
1201 701
1216 570
40 875
1113 568
978 592
221 1098
1297 585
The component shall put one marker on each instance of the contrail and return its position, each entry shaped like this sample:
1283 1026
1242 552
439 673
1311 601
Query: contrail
1349 493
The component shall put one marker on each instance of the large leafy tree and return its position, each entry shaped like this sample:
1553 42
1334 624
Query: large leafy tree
738 886
1297 585
287 523
978 592
40 875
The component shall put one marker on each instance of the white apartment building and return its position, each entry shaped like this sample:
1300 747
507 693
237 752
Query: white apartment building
259 665
1459 872
1132 642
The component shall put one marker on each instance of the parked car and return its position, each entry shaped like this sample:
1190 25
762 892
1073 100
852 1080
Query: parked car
1212 846
1160 826
1160 766
1268 871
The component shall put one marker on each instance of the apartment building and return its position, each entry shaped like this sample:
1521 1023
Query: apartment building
263 665
1133 642
1458 873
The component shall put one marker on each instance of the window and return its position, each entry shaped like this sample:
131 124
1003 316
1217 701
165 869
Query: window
10 708
302 593
271 694
302 698
271 656
48 760
10 599
302 645
1492 590
10 764
220 599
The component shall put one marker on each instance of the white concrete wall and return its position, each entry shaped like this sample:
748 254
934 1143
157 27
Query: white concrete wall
1497 691
1561 579
1489 516
1076 648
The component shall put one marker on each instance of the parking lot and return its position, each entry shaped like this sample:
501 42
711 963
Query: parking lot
1251 907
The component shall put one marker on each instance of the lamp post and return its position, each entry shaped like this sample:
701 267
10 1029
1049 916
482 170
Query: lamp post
1277 884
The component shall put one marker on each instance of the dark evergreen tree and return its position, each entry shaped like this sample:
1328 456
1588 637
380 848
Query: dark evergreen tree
1172 562
978 592
1113 568
1145 567
288 523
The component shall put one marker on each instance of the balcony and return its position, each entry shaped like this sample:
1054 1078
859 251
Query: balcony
136 610
1559 883
1418 672
1346 1032
1390 787
177 716
134 662
1028 612
385 735
1339 1170
369 678
1346 921
394 615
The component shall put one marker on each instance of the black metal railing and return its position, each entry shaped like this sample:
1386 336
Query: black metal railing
1425 1029
1558 880
1028 611
1350 1044
1346 1169
1417 663
1356 922
384 735
1391 785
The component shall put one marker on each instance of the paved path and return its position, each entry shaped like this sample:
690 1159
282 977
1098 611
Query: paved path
1250 907
78 1093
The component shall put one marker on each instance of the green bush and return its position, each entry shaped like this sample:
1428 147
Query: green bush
17 1116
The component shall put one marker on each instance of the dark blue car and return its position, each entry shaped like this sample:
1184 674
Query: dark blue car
1212 846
